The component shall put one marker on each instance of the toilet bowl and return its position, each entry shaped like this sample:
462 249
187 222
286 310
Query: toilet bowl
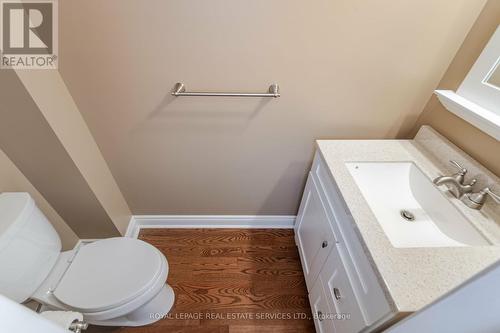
113 282
110 282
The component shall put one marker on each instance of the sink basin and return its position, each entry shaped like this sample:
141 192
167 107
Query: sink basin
411 210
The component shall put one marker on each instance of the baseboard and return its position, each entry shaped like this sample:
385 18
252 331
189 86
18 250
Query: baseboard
138 222
84 241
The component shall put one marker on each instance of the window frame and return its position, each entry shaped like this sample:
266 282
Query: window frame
477 101
475 87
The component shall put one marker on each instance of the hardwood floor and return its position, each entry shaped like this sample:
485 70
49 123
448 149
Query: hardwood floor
231 281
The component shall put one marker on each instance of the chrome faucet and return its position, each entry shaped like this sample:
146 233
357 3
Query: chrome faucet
476 200
455 182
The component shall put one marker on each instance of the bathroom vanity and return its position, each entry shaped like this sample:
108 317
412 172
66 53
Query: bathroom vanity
333 260
367 261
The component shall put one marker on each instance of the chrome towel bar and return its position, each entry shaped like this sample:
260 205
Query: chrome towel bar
180 90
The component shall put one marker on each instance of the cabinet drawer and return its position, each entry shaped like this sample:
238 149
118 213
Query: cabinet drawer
362 277
348 317
320 309
313 232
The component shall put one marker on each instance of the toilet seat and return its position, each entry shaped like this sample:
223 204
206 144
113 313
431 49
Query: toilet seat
94 283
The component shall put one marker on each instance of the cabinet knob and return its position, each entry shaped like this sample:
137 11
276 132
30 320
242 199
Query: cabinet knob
320 315
336 293
324 244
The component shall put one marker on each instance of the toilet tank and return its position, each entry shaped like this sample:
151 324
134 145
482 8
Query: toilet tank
29 246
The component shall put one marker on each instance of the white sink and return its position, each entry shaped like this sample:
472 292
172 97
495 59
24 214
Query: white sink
391 188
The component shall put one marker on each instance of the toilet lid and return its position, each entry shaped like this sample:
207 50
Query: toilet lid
110 272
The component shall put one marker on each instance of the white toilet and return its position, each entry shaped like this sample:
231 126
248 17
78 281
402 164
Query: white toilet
114 282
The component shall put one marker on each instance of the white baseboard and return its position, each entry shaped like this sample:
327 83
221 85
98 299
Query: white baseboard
138 222
84 241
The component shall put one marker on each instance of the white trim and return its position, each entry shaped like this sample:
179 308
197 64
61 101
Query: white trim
476 101
138 222
84 241
132 228
475 87
493 70
486 120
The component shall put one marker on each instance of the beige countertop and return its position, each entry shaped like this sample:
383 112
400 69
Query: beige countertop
414 277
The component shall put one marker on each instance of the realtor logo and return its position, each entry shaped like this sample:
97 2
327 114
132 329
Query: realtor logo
28 37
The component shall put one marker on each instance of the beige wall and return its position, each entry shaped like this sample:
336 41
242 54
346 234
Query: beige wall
346 68
30 142
12 180
476 143
57 106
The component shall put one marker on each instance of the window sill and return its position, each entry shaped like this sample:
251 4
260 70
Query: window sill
484 119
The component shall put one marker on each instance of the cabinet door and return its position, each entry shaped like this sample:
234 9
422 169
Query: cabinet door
364 282
320 309
348 317
313 232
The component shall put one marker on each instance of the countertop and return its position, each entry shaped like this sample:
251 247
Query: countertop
414 277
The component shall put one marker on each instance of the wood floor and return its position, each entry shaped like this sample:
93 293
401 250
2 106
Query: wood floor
231 281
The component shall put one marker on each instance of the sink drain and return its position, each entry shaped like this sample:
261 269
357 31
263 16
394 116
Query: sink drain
407 215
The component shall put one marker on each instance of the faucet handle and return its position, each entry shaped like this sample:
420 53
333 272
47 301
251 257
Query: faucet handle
495 196
472 182
462 170
480 197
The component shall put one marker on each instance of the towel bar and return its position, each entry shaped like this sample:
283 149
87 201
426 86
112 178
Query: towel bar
180 90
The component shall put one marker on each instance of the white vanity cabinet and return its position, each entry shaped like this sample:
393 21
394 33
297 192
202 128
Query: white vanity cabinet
344 292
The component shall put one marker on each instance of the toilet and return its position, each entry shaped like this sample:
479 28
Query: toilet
113 282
